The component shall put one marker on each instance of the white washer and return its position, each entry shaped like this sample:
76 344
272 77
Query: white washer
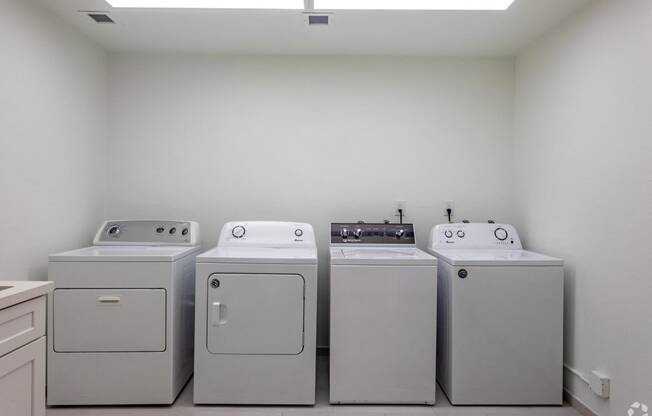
500 327
120 320
256 316
382 316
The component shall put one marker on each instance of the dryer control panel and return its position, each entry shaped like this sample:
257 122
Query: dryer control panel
367 233
266 234
475 236
147 233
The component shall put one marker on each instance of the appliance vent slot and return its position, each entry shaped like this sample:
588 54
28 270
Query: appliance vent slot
101 18
318 20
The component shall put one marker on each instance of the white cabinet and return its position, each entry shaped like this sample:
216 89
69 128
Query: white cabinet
21 324
22 380
22 351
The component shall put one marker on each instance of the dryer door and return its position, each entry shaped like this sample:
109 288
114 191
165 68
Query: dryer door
255 314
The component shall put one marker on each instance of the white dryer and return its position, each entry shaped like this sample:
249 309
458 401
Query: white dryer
382 316
500 319
120 319
256 316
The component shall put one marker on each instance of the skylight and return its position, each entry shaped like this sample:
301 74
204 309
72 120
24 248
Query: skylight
319 4
209 4
413 4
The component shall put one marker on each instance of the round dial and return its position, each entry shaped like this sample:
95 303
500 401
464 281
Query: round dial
448 234
344 233
298 232
501 234
400 233
238 231
114 231
357 233
461 234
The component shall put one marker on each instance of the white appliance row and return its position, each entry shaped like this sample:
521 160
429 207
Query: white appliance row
478 314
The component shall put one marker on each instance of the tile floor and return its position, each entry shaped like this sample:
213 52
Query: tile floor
184 407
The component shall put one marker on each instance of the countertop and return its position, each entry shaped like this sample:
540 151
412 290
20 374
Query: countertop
15 292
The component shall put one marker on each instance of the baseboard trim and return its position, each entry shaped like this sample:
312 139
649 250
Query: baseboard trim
578 404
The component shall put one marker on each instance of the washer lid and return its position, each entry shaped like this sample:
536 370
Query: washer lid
387 255
269 255
125 254
495 258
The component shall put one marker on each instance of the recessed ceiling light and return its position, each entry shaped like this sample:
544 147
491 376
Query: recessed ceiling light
413 4
209 4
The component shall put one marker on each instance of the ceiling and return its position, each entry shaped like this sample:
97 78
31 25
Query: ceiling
433 33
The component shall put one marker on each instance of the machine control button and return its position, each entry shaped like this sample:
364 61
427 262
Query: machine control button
184 231
344 233
399 233
298 232
215 283
461 234
357 233
463 274
448 234
160 230
114 231
238 231
501 234
173 230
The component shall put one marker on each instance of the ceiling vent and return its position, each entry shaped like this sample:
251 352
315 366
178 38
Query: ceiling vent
100 17
318 20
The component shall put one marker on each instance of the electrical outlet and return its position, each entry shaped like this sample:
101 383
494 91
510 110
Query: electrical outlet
399 210
449 205
600 384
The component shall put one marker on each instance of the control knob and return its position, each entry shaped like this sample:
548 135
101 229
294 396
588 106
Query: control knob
399 233
344 233
461 234
238 231
448 234
357 233
114 231
501 234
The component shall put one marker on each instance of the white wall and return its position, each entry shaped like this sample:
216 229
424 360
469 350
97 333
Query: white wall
309 139
584 169
52 109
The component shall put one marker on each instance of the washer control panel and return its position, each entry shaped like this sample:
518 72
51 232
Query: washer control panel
475 236
366 233
148 232
266 234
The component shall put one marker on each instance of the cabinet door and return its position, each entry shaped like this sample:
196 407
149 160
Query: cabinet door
22 380
255 313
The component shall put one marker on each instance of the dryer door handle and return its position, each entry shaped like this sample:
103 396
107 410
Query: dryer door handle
218 314
108 299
